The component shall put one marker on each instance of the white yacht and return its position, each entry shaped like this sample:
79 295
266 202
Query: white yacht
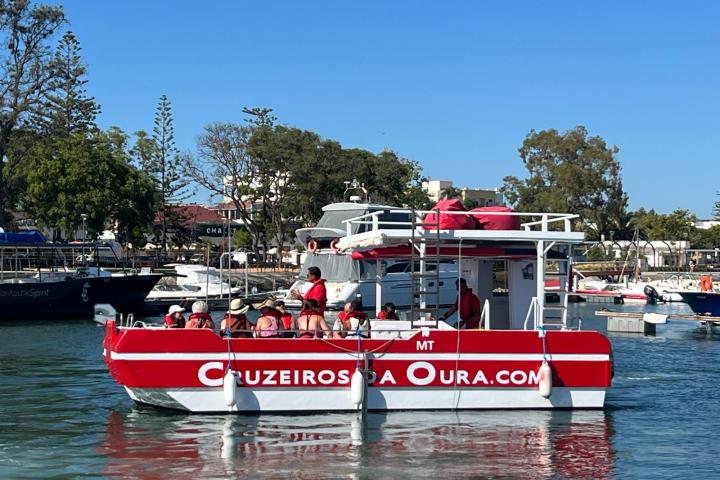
192 282
348 276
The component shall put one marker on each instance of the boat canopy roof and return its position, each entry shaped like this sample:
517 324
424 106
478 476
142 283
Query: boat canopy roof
21 238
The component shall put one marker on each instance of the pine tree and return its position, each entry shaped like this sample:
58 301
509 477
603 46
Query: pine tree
716 209
67 109
165 167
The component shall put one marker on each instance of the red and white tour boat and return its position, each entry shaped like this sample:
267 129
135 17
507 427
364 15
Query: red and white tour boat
524 355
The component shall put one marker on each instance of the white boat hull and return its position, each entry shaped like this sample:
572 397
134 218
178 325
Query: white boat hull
338 399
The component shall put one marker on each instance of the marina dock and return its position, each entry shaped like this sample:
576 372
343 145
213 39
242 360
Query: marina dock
645 323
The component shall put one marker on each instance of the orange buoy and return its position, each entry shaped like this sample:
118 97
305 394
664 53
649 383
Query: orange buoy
706 284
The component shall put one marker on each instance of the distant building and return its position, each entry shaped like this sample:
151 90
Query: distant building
706 224
484 197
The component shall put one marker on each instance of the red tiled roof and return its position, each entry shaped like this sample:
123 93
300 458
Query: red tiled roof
193 214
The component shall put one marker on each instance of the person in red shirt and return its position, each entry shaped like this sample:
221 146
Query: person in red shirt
469 307
388 312
316 291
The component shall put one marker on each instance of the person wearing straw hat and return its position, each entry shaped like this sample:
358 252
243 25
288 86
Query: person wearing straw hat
200 317
235 321
174 317
268 325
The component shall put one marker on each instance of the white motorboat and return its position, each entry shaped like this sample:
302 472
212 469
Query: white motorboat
192 282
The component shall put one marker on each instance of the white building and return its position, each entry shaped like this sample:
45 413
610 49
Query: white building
484 197
706 224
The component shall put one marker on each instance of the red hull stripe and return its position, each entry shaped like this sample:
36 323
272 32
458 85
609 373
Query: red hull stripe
345 356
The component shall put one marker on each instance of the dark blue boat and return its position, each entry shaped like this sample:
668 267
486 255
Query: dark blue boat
703 303
56 292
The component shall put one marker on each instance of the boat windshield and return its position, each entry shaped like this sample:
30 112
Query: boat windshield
335 218
339 268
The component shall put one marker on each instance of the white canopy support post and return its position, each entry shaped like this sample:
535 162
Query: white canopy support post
485 315
378 286
540 281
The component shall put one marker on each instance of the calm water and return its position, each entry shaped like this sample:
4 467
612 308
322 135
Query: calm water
62 416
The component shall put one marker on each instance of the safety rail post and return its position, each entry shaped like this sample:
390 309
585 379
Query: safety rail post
485 315
531 311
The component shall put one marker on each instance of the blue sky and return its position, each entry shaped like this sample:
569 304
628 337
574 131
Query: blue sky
455 86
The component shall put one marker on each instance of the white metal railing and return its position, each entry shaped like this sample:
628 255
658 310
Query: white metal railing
536 312
544 222
485 315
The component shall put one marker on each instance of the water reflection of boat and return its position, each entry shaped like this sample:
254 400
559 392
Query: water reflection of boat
560 444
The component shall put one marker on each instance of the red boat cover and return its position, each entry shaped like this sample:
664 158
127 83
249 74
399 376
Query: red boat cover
495 222
450 221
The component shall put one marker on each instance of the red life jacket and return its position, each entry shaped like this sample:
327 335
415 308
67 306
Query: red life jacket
287 320
237 324
318 292
200 320
382 315
170 322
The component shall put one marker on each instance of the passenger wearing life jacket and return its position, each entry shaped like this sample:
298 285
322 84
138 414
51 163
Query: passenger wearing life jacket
388 312
355 320
310 323
317 291
200 317
270 322
289 326
174 317
469 307
235 321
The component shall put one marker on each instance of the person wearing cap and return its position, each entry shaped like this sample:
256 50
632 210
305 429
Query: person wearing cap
268 325
200 317
235 321
317 291
174 317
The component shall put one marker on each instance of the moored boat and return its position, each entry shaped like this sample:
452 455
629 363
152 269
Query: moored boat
523 355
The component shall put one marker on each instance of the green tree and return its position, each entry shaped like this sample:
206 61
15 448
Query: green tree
67 109
165 167
678 225
224 167
25 31
574 173
79 175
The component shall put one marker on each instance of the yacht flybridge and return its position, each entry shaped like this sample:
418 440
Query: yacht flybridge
524 355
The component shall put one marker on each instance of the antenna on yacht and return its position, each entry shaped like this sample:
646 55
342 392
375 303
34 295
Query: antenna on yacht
356 187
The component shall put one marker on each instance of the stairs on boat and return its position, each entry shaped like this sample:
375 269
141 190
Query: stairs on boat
424 272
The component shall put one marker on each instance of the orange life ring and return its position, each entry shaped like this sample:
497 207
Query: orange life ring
334 246
312 246
706 283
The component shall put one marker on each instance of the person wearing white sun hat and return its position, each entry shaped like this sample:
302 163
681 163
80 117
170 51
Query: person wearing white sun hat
174 317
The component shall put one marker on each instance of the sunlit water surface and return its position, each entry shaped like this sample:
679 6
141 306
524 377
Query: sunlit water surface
62 416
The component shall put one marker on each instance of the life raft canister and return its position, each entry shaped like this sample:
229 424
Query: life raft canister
312 246
706 284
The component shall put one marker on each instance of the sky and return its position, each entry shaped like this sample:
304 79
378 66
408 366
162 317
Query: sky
455 86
